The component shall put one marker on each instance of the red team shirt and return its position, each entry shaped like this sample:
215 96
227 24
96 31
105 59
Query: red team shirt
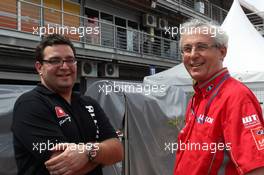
223 113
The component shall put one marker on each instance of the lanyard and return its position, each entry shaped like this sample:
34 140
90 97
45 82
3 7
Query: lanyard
215 92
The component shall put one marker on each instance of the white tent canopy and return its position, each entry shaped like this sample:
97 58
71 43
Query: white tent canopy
245 52
244 57
176 76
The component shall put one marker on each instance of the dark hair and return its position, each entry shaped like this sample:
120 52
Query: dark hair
50 40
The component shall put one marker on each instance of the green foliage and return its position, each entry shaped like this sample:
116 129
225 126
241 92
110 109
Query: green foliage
176 122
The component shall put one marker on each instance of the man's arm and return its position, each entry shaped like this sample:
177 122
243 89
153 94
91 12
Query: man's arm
239 128
74 159
110 151
66 170
258 171
108 148
35 128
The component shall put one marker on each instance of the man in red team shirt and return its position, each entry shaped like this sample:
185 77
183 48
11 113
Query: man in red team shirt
223 114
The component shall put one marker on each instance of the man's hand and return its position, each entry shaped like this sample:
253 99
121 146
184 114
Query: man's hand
73 160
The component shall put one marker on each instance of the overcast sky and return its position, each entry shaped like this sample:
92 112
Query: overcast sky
259 4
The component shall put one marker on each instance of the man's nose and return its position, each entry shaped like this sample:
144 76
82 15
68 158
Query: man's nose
64 65
194 52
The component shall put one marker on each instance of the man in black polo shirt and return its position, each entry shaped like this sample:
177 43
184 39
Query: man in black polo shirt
55 130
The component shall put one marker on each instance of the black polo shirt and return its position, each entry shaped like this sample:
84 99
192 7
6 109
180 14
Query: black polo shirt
42 118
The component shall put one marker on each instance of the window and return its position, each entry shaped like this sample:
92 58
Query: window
121 33
92 21
132 36
107 30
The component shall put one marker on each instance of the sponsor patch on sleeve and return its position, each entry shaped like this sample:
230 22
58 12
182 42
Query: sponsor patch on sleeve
250 121
258 135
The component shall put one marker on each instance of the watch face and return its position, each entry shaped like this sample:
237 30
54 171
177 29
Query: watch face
92 154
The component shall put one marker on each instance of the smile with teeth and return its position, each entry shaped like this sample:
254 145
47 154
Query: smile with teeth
196 64
64 75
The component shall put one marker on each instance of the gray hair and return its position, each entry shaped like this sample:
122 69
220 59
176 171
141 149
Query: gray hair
217 33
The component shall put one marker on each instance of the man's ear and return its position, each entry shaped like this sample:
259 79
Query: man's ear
223 51
38 66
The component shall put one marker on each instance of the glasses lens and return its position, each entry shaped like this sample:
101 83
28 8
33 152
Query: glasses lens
59 62
70 62
55 62
199 48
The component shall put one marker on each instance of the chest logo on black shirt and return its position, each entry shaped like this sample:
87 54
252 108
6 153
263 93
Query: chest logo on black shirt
59 112
63 116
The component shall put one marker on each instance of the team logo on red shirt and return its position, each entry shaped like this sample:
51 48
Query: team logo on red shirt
59 112
258 135
251 120
204 119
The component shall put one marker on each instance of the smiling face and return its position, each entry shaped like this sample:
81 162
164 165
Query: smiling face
58 78
204 57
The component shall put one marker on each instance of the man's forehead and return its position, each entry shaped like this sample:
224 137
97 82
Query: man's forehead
59 49
196 38
58 46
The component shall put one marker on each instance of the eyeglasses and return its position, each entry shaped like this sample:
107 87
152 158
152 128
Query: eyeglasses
200 47
58 62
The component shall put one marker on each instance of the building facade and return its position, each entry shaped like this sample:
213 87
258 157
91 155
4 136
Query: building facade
115 39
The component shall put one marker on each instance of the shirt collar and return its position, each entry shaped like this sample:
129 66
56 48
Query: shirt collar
206 87
44 90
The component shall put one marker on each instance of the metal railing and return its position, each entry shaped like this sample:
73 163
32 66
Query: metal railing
27 17
218 14
204 8
257 19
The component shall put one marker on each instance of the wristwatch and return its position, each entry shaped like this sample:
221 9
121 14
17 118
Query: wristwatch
92 153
